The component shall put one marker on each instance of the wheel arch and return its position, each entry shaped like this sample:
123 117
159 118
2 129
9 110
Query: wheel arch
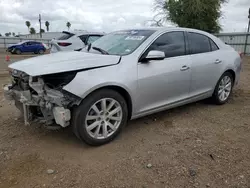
231 71
18 48
121 90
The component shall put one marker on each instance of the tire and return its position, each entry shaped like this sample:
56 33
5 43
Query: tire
218 92
40 51
17 51
96 99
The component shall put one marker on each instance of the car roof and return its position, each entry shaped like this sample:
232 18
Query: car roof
162 29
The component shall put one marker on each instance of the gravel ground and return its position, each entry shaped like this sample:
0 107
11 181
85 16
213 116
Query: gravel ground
4 64
197 145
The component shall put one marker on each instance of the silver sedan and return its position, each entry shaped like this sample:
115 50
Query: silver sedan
124 75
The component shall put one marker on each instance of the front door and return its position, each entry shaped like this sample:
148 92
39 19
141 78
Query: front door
162 82
28 47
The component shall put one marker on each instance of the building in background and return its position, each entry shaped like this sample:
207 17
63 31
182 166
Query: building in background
46 35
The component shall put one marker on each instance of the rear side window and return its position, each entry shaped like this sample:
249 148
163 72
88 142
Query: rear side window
198 43
172 44
83 38
66 36
214 47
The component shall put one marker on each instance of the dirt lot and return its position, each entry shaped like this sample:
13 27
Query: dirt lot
13 58
198 145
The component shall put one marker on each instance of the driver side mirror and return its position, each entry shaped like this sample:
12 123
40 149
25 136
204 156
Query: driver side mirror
154 55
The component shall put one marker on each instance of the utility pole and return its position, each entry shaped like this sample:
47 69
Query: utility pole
246 43
40 25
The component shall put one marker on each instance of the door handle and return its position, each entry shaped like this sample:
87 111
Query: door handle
184 68
217 61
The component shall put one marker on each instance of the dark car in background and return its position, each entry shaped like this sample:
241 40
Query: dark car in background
27 47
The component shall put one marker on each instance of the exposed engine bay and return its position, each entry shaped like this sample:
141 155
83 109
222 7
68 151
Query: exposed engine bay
42 98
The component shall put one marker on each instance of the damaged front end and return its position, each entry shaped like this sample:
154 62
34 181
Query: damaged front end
41 98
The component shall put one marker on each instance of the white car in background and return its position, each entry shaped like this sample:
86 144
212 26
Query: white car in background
74 41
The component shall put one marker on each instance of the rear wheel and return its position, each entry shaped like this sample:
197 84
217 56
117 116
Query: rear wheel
223 88
100 117
41 51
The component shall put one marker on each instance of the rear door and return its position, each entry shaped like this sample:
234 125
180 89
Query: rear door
206 63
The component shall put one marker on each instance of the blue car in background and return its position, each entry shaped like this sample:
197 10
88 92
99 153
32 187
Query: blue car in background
27 47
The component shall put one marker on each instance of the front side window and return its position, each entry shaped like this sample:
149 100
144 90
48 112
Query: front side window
198 43
172 44
28 43
121 42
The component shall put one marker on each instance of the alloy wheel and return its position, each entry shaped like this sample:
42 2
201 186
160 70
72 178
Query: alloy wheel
103 118
224 88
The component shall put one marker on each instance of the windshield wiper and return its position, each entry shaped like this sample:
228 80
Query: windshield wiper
100 50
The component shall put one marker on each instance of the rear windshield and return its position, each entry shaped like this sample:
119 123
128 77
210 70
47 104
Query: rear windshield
65 36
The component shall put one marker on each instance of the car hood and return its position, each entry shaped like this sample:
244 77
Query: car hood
63 62
11 46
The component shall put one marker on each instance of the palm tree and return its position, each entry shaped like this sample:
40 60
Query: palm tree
47 25
27 23
32 30
68 24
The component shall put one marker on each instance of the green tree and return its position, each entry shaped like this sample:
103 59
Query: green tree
32 30
13 34
27 23
47 25
68 24
197 14
42 31
0 34
7 34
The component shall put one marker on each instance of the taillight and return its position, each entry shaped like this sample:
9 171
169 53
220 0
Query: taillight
64 43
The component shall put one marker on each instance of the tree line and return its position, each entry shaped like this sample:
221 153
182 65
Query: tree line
32 30
198 14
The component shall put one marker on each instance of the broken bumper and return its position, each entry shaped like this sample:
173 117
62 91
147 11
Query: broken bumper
49 111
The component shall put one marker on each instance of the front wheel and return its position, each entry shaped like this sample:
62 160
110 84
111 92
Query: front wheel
223 88
100 117
17 51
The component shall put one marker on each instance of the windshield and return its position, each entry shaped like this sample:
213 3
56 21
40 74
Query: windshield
121 42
